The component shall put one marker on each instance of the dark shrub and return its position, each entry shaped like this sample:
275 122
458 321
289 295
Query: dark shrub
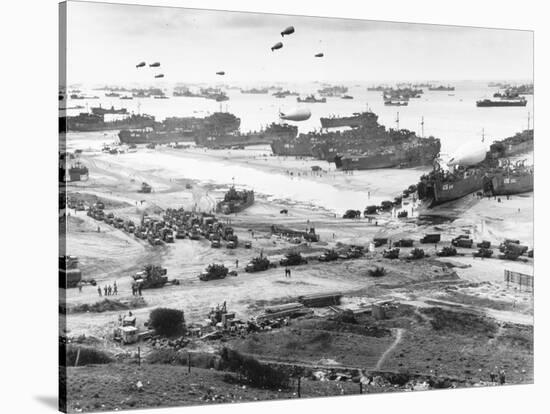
257 374
87 356
377 272
167 322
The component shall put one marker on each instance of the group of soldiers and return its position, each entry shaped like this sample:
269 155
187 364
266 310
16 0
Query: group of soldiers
136 289
108 290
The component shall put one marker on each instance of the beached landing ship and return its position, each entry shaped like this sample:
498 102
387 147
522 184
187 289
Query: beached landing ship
491 175
85 122
235 201
367 146
177 129
513 181
520 143
409 153
267 135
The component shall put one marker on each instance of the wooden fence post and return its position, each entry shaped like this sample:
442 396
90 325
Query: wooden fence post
77 357
299 387
360 387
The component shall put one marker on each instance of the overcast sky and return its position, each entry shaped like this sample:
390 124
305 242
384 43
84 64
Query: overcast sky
106 41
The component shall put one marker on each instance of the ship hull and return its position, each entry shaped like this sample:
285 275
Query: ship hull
232 207
289 148
129 137
444 192
487 104
515 184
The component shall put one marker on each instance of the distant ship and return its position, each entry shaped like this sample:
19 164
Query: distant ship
347 97
332 91
255 91
235 201
441 88
357 119
284 94
501 102
98 110
112 95
391 102
311 99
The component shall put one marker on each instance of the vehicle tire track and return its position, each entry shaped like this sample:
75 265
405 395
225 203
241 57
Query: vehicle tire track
398 336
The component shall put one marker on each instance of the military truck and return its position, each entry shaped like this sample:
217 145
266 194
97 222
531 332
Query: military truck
404 243
392 253
462 241
446 252
431 238
215 244
512 245
145 188
354 252
151 276
214 271
484 244
292 259
380 241
328 256
416 254
259 264
483 252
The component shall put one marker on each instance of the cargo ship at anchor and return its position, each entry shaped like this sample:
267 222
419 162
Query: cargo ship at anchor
267 135
235 201
311 99
485 103
98 110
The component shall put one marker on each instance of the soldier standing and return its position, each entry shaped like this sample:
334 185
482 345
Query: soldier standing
99 290
139 289
115 288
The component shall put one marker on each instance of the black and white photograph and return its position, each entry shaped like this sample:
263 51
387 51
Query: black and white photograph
258 206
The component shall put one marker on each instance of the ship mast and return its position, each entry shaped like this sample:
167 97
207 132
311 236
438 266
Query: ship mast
397 121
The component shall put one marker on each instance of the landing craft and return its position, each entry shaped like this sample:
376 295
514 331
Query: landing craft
276 46
468 155
220 73
297 114
154 65
140 65
289 30
160 75
319 55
